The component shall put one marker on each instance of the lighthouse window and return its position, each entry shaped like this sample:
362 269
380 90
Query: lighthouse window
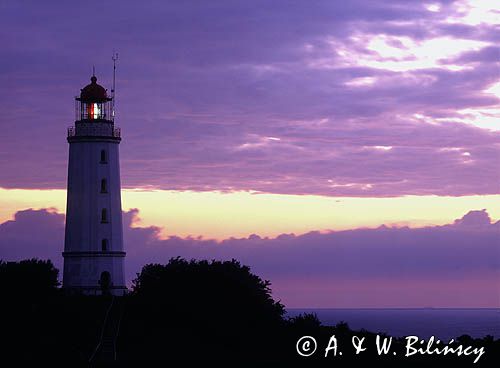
104 186
104 245
104 157
104 215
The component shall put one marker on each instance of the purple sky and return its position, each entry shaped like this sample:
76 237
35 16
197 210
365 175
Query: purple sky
340 98
272 96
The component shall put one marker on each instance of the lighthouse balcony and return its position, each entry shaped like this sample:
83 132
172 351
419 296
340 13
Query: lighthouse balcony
94 129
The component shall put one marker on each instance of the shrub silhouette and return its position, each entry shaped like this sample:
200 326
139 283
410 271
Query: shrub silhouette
305 321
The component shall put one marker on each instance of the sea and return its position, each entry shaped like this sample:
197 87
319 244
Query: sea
444 324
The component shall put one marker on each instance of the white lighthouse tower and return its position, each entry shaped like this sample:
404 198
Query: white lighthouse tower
93 248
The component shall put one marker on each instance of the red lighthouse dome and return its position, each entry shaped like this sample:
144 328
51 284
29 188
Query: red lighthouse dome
93 92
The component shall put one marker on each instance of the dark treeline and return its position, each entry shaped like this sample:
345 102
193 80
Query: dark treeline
196 311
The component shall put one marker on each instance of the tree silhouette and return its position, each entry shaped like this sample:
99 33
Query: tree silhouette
207 303
220 286
31 278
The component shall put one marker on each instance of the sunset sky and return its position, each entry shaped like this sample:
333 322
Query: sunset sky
282 133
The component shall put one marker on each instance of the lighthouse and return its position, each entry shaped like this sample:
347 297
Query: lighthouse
93 247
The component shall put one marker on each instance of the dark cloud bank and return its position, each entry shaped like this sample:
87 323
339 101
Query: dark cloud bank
462 257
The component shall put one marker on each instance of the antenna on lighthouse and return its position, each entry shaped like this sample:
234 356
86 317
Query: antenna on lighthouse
114 58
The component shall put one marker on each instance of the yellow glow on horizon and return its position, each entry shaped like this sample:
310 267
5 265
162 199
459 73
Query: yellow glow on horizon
240 214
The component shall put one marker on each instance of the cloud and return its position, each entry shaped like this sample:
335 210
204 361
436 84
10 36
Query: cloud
458 259
474 220
198 82
33 234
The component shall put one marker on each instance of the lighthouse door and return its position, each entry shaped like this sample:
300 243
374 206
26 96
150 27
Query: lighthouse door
105 282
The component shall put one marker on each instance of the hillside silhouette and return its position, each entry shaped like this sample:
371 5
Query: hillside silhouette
182 311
